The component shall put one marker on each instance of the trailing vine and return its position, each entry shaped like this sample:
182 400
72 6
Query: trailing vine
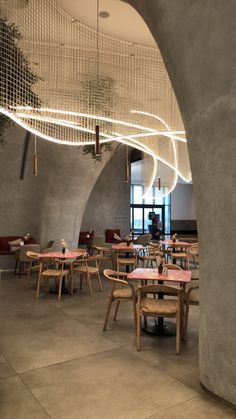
16 76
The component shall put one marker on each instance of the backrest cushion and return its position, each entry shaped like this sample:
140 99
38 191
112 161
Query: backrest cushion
15 244
110 235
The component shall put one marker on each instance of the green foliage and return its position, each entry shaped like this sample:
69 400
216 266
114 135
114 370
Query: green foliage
98 95
90 149
16 76
5 122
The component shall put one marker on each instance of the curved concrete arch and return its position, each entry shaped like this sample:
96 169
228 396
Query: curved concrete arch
197 42
50 205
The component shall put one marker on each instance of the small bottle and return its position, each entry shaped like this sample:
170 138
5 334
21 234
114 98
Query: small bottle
160 268
63 250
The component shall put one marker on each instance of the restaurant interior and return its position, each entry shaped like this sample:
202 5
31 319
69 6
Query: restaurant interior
117 209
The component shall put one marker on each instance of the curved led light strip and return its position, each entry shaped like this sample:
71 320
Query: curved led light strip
125 139
174 149
112 120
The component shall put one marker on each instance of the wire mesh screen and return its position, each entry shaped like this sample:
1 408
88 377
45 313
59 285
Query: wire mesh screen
59 78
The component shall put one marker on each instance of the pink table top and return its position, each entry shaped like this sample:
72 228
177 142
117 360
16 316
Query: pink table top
67 255
177 243
149 274
123 246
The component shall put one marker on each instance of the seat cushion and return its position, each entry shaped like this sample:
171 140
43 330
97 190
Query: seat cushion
55 272
85 236
15 244
126 261
158 306
122 293
83 269
179 255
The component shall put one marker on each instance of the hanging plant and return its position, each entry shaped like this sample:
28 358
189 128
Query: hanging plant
98 94
90 149
16 76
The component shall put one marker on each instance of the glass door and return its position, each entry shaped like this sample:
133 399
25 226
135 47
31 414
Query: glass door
148 219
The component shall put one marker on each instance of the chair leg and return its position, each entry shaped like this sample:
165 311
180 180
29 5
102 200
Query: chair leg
116 310
71 281
107 314
16 266
138 333
27 279
38 286
81 281
59 288
135 316
186 321
89 284
20 268
178 333
99 281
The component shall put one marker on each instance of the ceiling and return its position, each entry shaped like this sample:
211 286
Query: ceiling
118 24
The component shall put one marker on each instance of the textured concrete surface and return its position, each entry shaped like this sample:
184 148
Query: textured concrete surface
197 42
109 203
51 205
56 362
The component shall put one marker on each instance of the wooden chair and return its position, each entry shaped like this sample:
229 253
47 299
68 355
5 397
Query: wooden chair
104 253
181 255
172 266
193 253
34 264
143 239
121 290
159 307
127 258
21 257
48 246
191 297
149 256
87 267
53 268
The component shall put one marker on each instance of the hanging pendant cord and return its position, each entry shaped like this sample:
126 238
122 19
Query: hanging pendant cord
97 144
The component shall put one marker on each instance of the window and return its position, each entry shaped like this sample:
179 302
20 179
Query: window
140 208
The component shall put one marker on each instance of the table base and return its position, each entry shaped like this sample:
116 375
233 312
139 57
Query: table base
63 291
155 328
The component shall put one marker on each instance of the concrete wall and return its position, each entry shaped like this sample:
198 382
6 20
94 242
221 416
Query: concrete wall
183 203
197 42
51 205
109 203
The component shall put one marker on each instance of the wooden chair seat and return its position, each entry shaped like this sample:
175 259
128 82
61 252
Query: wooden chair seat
84 269
55 272
160 307
122 293
127 261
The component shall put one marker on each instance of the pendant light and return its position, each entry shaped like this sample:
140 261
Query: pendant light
35 157
97 143
127 164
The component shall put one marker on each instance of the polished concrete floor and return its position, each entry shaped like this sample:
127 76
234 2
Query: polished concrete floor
56 362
